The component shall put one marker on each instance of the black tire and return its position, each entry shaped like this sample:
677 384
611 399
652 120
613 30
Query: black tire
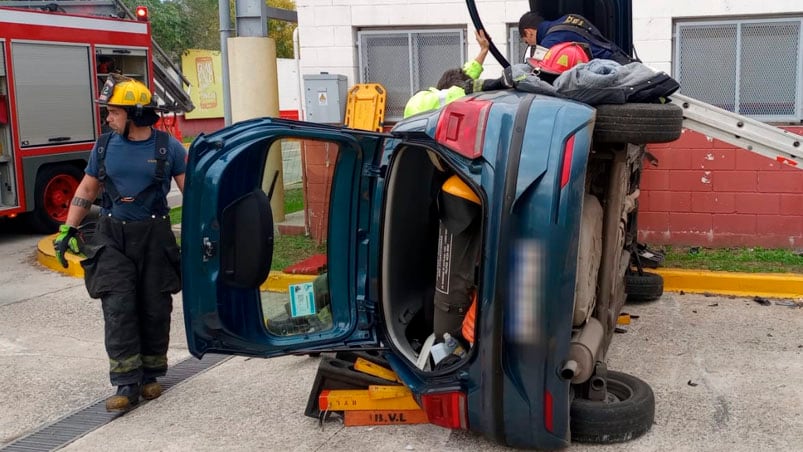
644 287
638 123
51 202
627 413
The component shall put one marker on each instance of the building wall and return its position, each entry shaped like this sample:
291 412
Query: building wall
708 193
704 192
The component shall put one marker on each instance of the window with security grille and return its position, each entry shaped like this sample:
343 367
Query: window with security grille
407 61
516 48
751 67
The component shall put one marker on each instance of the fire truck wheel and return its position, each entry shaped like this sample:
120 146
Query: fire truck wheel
55 186
638 123
626 413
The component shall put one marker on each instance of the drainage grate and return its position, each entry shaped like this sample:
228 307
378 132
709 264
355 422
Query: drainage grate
75 425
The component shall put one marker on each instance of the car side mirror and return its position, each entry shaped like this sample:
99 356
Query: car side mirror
246 238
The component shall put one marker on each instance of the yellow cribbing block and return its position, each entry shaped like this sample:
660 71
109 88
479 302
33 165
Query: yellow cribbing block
365 109
387 392
384 417
279 281
360 399
367 367
624 319
771 285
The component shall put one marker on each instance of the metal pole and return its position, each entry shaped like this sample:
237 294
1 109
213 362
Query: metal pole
225 33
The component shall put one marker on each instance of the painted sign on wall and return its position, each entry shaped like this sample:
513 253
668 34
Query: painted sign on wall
203 69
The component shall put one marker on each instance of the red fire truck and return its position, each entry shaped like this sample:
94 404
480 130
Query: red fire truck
52 65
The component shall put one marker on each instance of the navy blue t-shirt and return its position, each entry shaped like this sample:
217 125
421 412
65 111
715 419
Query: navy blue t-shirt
131 165
556 37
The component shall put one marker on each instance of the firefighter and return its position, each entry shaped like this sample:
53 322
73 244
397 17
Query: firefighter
452 84
534 30
132 260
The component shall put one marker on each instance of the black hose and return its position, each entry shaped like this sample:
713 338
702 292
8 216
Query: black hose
475 19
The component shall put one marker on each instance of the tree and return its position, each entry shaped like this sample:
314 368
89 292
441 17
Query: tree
281 31
170 24
179 25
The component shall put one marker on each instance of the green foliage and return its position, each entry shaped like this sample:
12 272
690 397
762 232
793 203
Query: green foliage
281 31
180 25
291 249
175 215
293 200
170 24
750 260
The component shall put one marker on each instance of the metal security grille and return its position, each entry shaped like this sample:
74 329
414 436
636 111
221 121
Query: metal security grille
751 67
516 48
407 61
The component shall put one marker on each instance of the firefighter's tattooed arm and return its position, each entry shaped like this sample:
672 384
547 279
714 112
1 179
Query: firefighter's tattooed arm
81 202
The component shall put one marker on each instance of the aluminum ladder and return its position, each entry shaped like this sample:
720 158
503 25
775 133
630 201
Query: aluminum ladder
755 136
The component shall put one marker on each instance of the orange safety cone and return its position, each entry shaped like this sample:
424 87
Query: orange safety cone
468 321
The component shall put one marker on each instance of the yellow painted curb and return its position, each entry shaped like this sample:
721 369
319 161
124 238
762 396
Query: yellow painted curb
46 255
774 285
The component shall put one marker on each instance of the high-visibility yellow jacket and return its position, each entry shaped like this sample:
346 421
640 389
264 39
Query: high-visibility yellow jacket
434 98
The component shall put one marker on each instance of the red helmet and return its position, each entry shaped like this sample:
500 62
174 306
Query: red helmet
561 57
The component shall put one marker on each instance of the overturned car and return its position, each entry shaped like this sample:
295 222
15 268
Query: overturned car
484 249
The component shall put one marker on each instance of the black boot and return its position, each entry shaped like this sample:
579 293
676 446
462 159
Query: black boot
151 388
126 398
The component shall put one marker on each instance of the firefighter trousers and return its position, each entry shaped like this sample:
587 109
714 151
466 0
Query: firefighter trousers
134 267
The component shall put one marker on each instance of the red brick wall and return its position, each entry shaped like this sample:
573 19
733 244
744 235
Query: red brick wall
706 192
318 161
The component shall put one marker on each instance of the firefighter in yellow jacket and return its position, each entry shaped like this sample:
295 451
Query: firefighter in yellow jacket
452 84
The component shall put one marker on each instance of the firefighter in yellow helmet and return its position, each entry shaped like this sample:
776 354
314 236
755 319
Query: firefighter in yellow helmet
132 260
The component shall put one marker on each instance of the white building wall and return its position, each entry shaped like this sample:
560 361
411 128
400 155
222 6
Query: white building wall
652 21
327 28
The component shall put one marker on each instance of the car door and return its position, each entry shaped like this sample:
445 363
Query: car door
240 184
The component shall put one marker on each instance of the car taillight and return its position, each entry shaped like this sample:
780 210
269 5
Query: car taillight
548 412
446 409
461 126
568 152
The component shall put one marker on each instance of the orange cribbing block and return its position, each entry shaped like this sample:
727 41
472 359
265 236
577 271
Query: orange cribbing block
384 417
624 319
360 399
365 108
468 321
367 367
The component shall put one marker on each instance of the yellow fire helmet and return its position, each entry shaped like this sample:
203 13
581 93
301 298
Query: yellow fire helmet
122 91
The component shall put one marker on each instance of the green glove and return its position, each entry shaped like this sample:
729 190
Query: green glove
68 239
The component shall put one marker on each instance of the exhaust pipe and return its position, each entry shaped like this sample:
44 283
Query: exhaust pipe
583 352
569 370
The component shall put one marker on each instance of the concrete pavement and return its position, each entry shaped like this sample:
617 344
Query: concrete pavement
727 375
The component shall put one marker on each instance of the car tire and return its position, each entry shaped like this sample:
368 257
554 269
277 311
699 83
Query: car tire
638 123
644 287
626 413
53 192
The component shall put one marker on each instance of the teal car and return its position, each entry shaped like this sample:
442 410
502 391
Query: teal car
514 210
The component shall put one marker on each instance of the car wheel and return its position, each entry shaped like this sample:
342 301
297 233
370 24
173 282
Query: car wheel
638 123
645 287
626 413
55 187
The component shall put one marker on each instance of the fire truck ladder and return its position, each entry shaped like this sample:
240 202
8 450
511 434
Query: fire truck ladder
754 136
167 77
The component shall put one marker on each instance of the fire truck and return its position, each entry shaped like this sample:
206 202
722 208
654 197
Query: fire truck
54 57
